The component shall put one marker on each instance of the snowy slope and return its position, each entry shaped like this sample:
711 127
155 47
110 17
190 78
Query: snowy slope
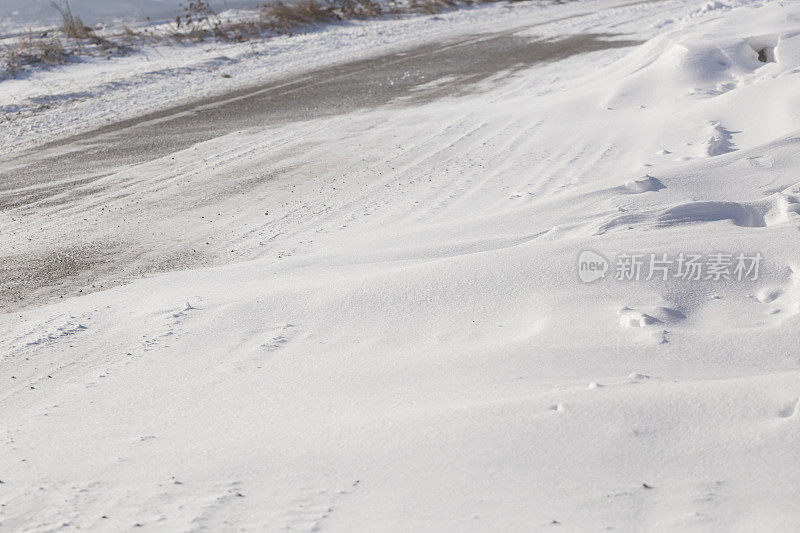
410 347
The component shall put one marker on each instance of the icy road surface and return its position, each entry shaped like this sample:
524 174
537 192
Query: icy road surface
146 235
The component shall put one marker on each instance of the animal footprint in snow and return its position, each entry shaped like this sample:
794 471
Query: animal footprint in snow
790 409
783 300
183 312
646 184
789 206
655 315
769 294
280 336
782 207
720 142
50 333
650 321
630 318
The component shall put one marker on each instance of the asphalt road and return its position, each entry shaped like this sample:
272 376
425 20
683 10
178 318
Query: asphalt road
328 91
41 177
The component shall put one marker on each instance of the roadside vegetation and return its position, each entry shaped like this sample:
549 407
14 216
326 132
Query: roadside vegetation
197 21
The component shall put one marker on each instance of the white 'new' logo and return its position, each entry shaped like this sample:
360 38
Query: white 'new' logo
591 266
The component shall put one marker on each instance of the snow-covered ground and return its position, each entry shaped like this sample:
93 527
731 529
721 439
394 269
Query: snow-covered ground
411 345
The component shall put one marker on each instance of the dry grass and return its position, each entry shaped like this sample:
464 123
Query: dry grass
33 51
431 7
71 25
198 22
286 18
195 22
73 28
357 9
70 40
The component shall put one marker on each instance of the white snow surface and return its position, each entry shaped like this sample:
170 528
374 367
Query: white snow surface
408 346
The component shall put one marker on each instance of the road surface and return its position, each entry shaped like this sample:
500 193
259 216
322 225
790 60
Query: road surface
46 193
